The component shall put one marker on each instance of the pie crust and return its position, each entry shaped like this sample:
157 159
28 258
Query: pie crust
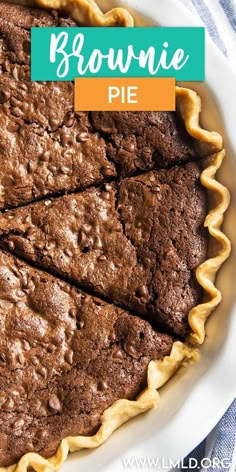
84 12
209 145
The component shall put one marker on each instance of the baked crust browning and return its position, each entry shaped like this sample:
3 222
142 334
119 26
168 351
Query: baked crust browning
220 248
209 144
83 12
87 12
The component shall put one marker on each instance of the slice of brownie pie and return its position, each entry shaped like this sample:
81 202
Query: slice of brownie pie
137 242
65 357
110 242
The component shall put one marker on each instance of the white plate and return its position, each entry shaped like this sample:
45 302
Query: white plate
196 398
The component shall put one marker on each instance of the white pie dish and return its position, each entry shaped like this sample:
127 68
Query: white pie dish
195 399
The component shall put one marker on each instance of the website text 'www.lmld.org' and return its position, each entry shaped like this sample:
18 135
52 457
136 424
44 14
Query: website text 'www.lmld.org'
158 463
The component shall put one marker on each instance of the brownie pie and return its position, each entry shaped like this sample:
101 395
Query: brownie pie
104 235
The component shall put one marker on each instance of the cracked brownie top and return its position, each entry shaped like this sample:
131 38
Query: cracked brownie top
136 242
46 148
64 358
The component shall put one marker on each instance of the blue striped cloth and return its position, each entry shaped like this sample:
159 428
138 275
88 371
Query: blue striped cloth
219 18
218 451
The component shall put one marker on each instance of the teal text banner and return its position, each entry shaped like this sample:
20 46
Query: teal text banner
66 53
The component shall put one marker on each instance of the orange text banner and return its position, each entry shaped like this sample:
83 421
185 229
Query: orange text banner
124 94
